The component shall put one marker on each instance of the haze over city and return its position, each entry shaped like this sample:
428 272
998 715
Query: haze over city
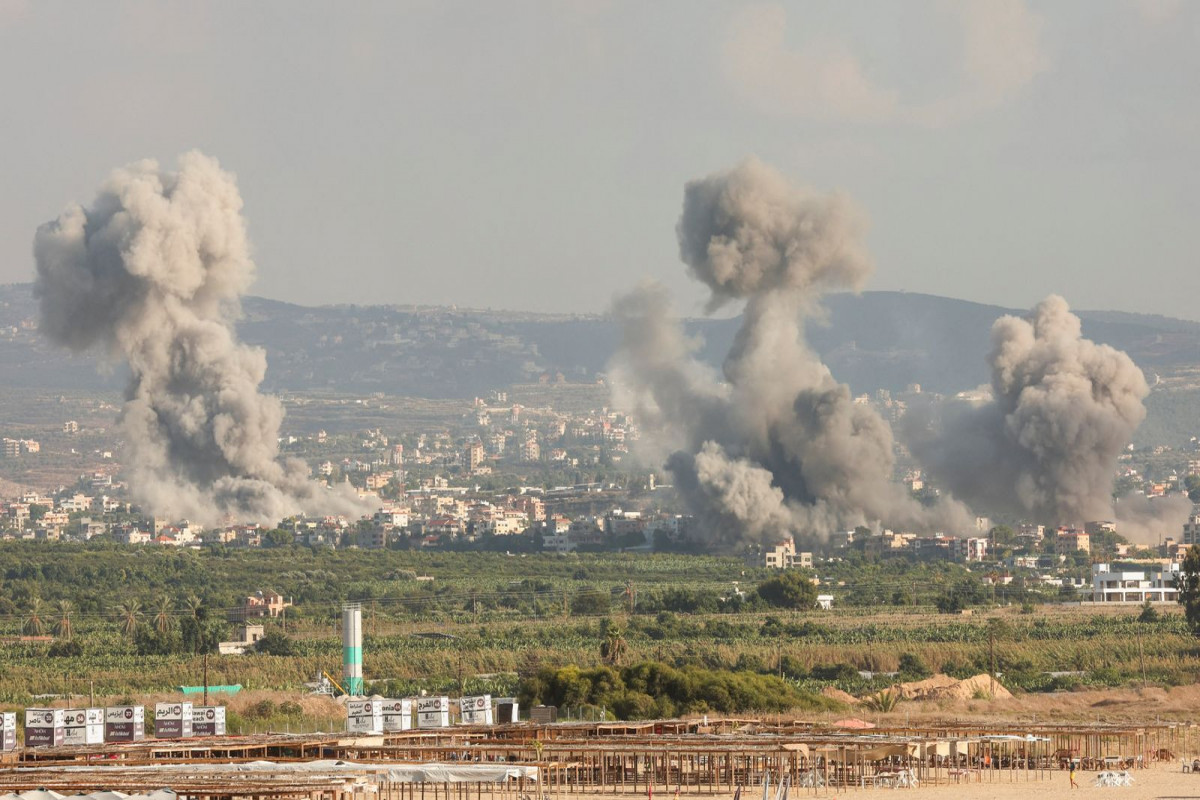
384 385
532 155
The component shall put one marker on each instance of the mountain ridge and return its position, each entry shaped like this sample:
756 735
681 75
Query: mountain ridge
871 341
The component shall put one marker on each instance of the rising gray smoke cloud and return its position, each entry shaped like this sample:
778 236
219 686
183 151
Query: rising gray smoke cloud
779 448
151 274
1045 445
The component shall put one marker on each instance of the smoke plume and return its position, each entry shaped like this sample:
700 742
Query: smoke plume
1045 445
151 274
779 447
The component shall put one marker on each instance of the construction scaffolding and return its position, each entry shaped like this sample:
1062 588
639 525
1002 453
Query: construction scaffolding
637 758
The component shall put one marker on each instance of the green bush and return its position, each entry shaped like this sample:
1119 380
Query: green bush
834 672
290 708
913 668
263 709
654 689
790 589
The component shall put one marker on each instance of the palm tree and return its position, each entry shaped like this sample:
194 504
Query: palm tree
34 626
194 606
63 626
130 612
612 649
162 616
884 701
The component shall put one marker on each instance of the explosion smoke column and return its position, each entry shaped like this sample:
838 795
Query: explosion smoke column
780 447
1046 445
152 273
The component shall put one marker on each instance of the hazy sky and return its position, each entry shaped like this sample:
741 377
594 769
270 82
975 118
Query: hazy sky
532 155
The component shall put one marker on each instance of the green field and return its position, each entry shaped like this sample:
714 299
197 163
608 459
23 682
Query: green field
506 622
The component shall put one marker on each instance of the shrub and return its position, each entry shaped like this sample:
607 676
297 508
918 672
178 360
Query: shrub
275 643
654 689
913 668
834 672
290 708
789 589
65 649
263 709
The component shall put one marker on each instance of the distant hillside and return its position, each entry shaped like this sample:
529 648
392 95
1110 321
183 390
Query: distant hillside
877 340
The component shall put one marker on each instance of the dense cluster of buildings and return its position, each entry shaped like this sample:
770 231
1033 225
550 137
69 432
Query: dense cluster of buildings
427 490
438 515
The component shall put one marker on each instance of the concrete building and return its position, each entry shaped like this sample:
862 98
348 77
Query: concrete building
974 548
258 606
474 455
1157 586
531 451
1191 530
785 556
248 637
1072 540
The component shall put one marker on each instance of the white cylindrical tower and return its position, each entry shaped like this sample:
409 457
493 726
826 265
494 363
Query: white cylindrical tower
352 649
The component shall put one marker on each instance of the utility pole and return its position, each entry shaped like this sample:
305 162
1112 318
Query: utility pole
992 655
206 677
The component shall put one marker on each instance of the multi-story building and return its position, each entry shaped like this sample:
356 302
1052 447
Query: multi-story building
533 507
1191 530
1097 527
378 480
473 456
785 556
531 451
1072 540
1029 534
1157 586
974 548
259 605
131 535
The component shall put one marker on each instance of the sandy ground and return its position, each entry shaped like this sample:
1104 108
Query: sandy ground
1161 782
1148 784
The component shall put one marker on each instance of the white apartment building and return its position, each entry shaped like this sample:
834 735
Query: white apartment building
1157 586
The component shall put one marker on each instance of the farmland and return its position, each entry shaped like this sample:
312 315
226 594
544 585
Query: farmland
139 619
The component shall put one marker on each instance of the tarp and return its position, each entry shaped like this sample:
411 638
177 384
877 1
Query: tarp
459 773
854 723
935 749
888 751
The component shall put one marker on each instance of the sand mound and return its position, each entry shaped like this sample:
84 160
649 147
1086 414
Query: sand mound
943 687
833 693
919 690
970 688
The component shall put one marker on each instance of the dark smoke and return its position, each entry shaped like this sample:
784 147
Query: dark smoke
779 448
1046 444
152 273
